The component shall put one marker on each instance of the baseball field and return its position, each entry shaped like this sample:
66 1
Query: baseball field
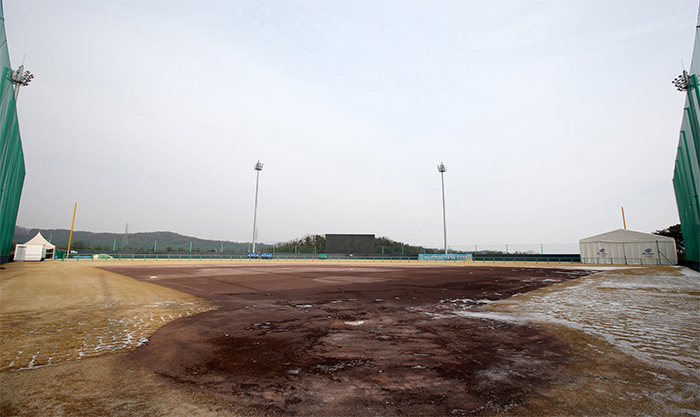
263 338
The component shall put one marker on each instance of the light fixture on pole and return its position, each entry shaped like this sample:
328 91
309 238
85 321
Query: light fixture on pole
682 82
258 168
21 78
441 170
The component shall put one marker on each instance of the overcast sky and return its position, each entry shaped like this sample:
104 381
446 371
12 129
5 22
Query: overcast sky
549 116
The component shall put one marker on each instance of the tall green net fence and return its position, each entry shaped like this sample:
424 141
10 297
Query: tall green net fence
686 176
11 156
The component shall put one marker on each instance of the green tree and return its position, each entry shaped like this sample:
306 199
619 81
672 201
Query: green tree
306 244
676 233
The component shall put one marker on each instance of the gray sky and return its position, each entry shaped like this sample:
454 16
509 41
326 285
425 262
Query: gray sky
549 116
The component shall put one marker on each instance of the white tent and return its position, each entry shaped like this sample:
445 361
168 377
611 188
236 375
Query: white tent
628 247
36 247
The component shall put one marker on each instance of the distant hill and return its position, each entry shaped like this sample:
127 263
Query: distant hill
174 242
163 241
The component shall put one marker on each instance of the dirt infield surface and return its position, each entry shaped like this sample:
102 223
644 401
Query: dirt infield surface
359 339
355 340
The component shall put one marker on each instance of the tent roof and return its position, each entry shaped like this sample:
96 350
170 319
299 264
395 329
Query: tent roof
39 240
624 235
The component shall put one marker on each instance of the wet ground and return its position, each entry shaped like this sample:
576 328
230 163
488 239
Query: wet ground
356 340
639 331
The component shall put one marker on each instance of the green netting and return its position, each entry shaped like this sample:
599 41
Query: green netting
686 176
11 155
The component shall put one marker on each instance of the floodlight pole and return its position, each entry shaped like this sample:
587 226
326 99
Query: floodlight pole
258 168
21 78
441 170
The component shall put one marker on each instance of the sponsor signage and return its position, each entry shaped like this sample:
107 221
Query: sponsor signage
260 255
444 257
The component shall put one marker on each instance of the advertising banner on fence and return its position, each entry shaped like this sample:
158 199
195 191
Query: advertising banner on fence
444 257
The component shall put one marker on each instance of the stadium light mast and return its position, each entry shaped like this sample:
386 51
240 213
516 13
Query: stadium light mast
258 168
441 170
21 78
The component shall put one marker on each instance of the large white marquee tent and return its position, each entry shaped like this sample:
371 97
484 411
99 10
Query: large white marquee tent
628 247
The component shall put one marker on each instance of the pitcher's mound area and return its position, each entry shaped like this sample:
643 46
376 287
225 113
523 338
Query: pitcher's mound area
356 340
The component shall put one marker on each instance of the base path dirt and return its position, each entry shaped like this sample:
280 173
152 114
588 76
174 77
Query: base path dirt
356 340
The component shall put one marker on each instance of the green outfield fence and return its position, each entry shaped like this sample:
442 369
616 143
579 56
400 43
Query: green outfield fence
11 156
321 257
553 260
686 176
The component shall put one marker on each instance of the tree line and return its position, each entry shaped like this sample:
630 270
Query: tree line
312 243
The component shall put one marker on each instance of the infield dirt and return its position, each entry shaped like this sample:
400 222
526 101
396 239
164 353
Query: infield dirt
312 339
355 340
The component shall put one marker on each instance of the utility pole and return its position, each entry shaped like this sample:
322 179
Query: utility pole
442 170
125 240
258 168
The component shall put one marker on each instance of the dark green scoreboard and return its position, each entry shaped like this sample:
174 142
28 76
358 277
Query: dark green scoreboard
350 244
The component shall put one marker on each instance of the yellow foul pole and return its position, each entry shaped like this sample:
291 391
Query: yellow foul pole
623 218
70 237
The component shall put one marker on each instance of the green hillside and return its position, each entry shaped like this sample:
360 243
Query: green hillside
137 242
174 242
